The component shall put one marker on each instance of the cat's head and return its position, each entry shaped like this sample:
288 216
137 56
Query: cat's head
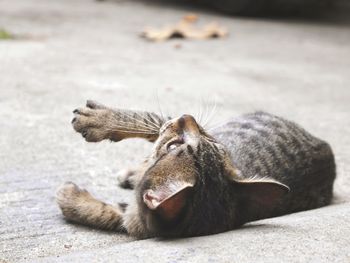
189 172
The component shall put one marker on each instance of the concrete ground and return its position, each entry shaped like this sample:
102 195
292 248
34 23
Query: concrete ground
71 51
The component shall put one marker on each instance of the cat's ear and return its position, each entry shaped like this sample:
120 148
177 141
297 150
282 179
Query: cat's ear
260 194
168 201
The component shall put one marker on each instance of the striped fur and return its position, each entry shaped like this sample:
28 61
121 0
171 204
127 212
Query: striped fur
199 182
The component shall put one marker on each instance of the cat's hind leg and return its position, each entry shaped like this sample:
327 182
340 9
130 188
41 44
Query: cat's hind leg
79 206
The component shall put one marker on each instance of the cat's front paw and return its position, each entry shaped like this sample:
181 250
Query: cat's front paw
69 196
126 178
92 121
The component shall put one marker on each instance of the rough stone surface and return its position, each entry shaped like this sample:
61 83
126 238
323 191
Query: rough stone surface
71 51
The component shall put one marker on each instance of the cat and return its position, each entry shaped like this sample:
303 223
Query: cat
198 182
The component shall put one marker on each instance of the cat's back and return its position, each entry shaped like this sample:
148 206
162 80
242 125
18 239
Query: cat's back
264 145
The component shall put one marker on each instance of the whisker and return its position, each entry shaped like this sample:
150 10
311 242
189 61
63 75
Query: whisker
200 110
158 122
145 120
149 119
196 113
141 123
128 125
206 111
212 113
158 102
131 131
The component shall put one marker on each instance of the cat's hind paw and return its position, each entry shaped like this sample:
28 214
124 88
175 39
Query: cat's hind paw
69 197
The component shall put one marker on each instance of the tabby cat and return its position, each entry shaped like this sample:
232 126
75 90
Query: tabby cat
198 182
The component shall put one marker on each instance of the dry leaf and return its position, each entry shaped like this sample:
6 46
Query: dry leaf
185 29
177 46
190 18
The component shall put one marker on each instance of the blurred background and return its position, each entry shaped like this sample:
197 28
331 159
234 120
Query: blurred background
287 57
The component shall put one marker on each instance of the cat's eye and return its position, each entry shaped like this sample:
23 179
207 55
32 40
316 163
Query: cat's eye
174 145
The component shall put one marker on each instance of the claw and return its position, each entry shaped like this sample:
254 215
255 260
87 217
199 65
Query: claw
90 104
94 105
74 119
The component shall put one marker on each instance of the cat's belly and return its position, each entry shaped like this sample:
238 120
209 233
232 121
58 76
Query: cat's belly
264 145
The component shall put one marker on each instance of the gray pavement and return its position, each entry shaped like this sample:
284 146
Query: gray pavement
71 51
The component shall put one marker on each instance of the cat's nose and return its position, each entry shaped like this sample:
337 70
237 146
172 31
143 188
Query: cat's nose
188 123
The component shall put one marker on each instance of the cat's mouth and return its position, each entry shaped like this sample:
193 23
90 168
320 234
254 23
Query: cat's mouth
152 200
